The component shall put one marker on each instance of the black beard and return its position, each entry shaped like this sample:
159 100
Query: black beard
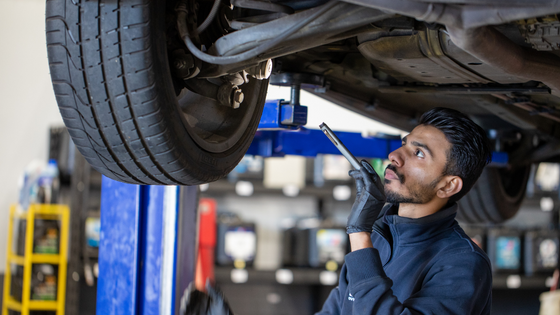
393 197
418 196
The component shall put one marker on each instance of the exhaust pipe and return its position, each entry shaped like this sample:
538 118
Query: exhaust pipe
472 15
495 49
468 26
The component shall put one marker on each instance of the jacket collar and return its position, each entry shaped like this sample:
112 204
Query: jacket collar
408 231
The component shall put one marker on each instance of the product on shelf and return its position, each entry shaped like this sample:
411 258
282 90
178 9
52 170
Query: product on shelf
39 183
504 250
43 282
236 241
45 237
93 227
314 245
541 252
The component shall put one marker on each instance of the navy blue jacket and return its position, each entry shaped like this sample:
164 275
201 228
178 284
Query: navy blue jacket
417 266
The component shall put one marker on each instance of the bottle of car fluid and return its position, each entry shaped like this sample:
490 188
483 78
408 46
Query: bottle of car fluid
49 183
40 183
29 183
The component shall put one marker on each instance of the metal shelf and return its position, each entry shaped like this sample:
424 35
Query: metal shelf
58 212
311 276
36 259
284 276
218 188
541 282
34 305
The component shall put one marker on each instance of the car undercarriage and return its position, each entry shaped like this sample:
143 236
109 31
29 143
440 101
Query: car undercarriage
171 92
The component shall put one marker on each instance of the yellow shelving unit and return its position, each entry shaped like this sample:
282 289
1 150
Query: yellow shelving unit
47 212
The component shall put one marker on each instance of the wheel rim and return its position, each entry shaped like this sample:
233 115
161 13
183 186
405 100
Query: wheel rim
214 127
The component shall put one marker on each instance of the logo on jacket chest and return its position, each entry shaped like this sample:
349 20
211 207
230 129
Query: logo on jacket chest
350 297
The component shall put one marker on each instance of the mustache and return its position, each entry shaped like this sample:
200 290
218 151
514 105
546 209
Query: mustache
394 169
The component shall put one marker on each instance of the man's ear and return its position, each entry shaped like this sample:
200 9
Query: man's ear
453 185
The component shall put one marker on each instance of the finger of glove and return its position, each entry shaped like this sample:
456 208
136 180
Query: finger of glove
369 171
358 178
368 178
373 184
355 174
367 166
368 200
380 185
363 214
376 179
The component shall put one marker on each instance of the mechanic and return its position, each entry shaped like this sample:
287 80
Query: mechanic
409 256
417 259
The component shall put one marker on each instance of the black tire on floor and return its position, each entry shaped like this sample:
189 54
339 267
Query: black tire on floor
496 196
110 72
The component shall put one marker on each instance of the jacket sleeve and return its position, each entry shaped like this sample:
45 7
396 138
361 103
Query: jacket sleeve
332 304
449 287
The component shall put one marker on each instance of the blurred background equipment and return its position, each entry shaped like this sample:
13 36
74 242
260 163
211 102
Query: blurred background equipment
504 251
38 281
541 252
236 242
311 243
206 243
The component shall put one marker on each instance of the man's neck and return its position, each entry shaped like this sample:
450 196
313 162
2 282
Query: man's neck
415 211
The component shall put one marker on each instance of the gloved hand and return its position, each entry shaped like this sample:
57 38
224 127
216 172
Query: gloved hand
370 199
196 302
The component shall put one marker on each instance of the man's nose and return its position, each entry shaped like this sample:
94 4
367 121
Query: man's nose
396 158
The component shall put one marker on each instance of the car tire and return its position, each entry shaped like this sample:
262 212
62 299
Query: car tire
495 197
112 80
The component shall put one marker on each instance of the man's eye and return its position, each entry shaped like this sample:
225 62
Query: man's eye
419 153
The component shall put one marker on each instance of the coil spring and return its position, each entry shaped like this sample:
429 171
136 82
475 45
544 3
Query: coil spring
265 11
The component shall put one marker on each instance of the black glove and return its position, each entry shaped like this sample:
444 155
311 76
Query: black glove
195 302
370 199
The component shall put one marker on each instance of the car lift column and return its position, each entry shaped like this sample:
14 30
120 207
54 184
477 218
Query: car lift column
147 247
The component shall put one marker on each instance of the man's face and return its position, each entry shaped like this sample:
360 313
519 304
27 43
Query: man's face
417 167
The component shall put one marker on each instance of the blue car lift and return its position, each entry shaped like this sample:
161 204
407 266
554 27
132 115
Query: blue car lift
278 136
147 253
146 232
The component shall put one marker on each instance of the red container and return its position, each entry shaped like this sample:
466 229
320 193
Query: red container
206 242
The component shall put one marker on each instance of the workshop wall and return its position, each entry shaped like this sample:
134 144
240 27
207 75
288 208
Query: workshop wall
28 106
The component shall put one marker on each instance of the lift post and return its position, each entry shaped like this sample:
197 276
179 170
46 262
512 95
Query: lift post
146 233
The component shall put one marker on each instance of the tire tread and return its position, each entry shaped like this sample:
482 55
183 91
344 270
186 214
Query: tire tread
71 61
107 79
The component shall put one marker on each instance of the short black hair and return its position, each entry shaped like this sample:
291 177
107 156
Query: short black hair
470 147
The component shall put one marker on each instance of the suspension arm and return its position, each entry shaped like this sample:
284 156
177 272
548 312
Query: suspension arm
344 20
